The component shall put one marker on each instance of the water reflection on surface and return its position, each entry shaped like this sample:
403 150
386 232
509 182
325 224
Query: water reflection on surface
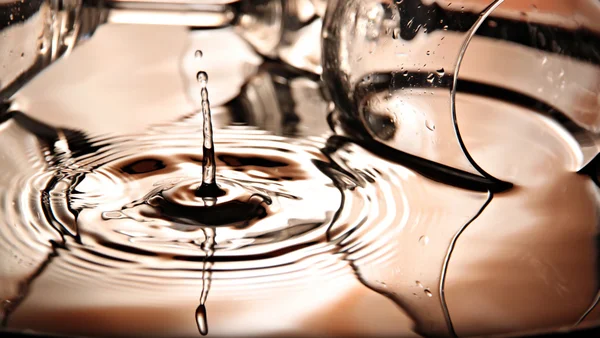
352 244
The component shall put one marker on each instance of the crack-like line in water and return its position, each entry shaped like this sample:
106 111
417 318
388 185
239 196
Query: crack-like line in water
356 272
337 243
589 310
336 215
484 14
447 262
10 306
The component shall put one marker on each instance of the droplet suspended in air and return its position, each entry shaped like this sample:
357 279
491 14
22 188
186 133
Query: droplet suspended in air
202 320
202 78
198 54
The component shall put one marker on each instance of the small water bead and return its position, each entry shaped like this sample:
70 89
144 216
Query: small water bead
424 240
42 47
428 293
198 54
383 284
440 72
202 78
430 78
419 284
201 320
431 126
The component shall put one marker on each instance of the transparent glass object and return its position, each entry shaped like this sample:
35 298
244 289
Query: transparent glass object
392 66
496 96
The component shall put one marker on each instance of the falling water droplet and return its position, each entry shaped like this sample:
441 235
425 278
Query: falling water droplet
430 78
202 78
428 293
424 240
201 320
198 54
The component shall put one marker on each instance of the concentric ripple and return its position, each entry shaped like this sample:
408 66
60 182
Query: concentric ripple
124 217
111 229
